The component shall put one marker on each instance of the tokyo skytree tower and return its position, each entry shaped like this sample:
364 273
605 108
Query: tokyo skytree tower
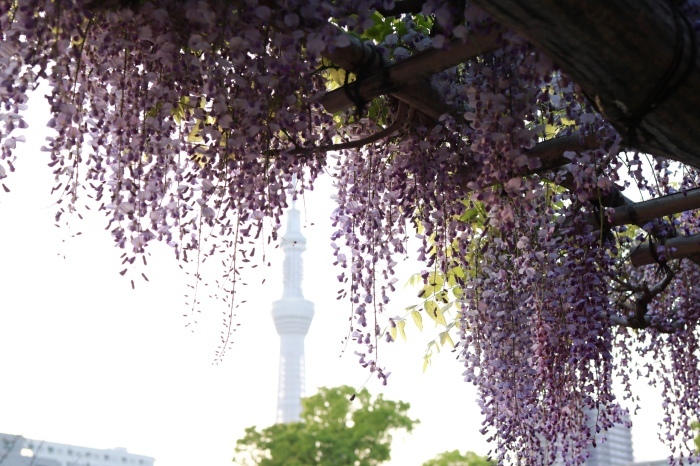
292 315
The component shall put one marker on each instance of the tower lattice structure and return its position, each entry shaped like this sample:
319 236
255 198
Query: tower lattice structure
292 315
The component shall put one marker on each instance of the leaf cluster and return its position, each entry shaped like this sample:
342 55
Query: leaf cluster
338 426
455 458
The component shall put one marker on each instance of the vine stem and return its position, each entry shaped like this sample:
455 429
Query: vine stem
384 133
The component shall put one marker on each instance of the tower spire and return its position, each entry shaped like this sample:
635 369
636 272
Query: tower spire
292 315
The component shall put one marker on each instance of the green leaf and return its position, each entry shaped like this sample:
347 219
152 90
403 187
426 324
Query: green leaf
401 325
413 280
417 319
336 78
436 279
194 135
468 215
426 361
430 308
446 338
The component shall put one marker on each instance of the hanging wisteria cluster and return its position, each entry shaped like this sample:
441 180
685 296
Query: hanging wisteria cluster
182 118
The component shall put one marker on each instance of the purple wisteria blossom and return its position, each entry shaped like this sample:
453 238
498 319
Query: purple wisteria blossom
185 119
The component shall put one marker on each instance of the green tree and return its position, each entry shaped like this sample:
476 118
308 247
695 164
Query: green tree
337 428
455 458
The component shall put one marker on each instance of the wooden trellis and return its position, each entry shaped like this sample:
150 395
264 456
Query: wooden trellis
408 82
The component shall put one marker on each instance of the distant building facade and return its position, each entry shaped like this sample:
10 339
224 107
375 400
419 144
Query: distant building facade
19 451
651 463
615 451
14 451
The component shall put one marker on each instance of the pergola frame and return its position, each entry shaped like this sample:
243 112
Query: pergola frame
408 82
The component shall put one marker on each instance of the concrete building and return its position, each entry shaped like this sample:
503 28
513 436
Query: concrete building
651 463
615 451
19 451
15 451
292 316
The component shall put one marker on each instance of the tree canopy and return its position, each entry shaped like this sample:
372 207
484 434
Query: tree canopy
511 137
455 458
335 428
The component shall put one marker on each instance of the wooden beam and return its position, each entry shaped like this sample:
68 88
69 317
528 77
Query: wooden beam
357 55
551 151
424 98
402 7
419 94
418 67
640 213
632 58
674 248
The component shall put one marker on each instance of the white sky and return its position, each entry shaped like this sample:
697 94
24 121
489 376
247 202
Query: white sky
88 361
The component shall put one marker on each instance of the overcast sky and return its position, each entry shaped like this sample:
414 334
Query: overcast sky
88 361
